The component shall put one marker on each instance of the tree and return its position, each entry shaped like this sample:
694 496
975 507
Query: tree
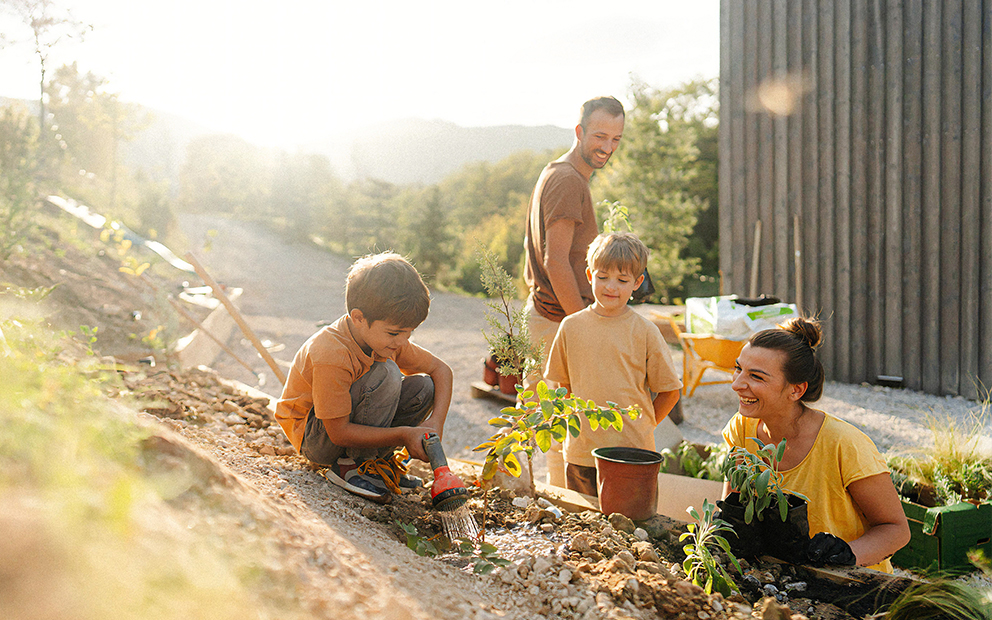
18 165
49 25
655 169
428 243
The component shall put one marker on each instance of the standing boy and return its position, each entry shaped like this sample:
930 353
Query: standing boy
608 352
359 389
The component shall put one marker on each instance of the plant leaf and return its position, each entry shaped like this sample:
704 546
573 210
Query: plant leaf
543 439
512 465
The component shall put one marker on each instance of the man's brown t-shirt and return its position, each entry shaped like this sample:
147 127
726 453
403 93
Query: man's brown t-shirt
561 193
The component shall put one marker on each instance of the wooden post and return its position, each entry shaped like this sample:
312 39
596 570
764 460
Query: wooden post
236 316
797 248
755 256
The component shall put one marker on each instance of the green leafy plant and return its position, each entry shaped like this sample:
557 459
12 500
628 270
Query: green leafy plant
508 337
90 337
687 460
953 470
536 422
756 477
418 544
485 557
617 217
700 564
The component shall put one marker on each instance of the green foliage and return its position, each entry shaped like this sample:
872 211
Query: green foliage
954 469
418 544
938 600
536 422
656 173
617 218
756 477
87 510
485 557
18 170
687 460
508 338
701 565
89 335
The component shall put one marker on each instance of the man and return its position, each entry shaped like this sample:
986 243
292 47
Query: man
561 223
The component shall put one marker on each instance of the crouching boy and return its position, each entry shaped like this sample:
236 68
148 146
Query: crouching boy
609 353
359 389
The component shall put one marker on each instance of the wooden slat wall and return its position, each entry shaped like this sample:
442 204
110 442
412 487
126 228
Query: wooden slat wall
885 161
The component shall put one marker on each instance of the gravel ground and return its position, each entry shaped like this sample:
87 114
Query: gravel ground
289 289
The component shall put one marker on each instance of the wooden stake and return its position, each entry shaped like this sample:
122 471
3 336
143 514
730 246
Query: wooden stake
755 257
219 294
189 317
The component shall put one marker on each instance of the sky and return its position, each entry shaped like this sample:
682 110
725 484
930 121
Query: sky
289 72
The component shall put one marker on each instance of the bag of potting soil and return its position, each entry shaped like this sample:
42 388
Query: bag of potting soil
726 317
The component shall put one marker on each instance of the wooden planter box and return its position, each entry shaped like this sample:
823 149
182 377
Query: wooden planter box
676 492
942 536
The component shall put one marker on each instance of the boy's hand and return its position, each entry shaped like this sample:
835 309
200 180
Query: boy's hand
414 441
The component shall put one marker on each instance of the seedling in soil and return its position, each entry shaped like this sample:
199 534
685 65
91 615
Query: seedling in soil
484 555
535 423
508 338
701 565
418 544
757 479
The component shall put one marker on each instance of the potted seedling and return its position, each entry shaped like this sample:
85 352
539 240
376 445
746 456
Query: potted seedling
511 353
760 509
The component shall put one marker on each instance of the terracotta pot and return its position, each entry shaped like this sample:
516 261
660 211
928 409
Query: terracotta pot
489 374
507 385
628 481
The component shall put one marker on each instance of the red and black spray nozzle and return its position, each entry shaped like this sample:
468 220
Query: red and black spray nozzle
447 491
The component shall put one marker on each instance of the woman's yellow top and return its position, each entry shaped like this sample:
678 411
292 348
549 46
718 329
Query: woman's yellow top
841 454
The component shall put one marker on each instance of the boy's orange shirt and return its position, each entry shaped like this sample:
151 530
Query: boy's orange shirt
620 359
323 371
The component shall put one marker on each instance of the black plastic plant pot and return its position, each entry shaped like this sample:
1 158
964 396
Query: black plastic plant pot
786 540
745 540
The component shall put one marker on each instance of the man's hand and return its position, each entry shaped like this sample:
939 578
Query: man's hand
826 548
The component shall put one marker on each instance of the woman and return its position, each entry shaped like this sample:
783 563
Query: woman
831 462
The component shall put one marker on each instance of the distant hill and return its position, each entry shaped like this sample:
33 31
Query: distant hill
420 151
400 152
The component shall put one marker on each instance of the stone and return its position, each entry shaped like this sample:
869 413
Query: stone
230 407
233 419
622 523
547 528
628 558
580 542
520 502
564 576
796 586
541 566
687 589
770 609
641 534
646 552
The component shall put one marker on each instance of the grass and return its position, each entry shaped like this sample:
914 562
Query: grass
89 531
957 467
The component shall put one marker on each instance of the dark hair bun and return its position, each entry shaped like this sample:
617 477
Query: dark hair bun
807 330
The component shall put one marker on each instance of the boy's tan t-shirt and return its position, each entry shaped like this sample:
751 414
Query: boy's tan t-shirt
619 359
324 369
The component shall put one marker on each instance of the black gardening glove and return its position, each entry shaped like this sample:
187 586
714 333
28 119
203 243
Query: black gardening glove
826 548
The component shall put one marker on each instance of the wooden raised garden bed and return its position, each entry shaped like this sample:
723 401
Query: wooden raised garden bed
942 536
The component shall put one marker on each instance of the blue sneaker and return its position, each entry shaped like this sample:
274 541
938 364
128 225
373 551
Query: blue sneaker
345 473
389 473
